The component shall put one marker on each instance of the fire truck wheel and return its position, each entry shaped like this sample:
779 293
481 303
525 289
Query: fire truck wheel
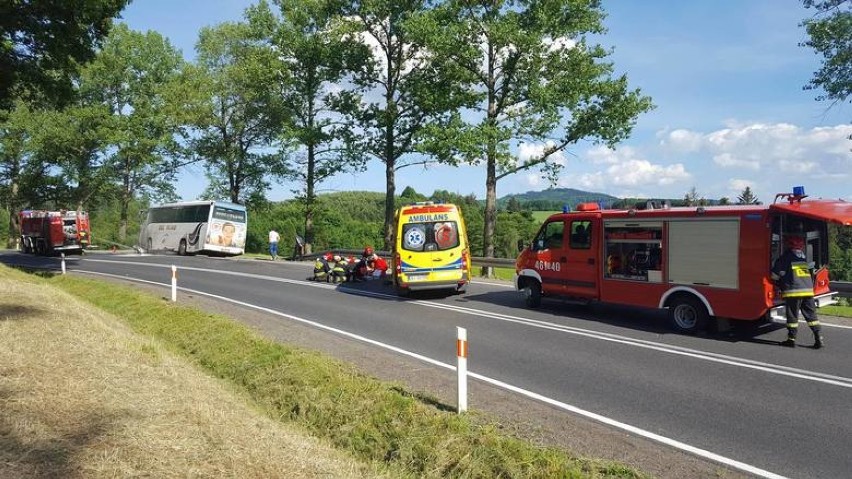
182 248
532 294
687 314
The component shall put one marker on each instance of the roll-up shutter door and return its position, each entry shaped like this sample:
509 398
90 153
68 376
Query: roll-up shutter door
704 252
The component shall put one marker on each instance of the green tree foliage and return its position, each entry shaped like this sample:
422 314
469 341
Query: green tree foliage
237 115
346 220
70 145
404 92
840 252
42 43
747 197
830 35
315 58
535 79
131 76
17 173
106 222
693 198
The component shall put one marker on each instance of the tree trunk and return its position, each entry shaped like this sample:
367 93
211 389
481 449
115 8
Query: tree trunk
14 227
490 211
310 200
125 204
390 195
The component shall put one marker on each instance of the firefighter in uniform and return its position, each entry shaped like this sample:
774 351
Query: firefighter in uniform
339 269
322 268
792 273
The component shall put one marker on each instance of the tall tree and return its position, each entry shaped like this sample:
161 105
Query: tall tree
42 43
311 49
536 79
131 76
747 197
404 92
14 137
238 116
830 32
692 197
70 145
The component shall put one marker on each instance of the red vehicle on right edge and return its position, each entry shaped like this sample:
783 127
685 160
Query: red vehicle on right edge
700 263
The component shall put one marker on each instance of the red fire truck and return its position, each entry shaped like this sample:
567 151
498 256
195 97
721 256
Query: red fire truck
52 232
700 263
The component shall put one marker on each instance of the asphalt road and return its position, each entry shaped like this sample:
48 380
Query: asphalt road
734 397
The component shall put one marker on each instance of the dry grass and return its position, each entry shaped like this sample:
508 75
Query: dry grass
82 395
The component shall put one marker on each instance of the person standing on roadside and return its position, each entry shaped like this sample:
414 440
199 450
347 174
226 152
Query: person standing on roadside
792 274
274 237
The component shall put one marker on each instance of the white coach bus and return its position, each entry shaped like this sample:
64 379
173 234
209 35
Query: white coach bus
194 227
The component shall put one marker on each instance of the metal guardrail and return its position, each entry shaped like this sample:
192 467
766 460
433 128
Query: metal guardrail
842 287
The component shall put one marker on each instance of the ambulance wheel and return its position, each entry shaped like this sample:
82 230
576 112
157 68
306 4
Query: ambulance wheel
182 248
688 315
532 294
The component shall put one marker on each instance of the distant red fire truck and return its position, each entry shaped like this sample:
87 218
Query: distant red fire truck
700 263
53 232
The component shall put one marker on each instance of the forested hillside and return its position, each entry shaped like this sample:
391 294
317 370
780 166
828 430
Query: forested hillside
553 199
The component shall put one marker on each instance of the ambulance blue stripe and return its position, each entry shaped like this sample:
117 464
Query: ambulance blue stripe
409 268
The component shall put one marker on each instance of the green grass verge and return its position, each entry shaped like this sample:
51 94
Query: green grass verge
540 216
834 310
375 421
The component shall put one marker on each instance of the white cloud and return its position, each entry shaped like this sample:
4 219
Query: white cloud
738 185
559 43
728 160
681 140
528 151
533 179
780 147
601 155
626 171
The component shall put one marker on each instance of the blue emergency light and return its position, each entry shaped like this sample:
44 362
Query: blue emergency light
566 208
798 191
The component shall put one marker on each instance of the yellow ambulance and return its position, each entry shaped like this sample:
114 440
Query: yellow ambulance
430 249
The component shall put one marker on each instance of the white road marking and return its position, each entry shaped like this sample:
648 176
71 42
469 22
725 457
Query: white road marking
553 402
615 338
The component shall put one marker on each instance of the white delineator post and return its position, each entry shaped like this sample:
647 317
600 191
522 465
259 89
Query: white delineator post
461 352
63 263
174 283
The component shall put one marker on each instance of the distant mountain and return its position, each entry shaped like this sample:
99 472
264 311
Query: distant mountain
556 198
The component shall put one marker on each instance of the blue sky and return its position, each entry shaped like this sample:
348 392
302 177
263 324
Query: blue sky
726 77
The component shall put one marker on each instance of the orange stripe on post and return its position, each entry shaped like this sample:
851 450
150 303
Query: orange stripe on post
461 348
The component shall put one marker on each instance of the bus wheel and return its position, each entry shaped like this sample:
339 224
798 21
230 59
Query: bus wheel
182 248
687 314
150 246
532 294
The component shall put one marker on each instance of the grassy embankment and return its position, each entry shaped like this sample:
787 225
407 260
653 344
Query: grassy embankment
116 394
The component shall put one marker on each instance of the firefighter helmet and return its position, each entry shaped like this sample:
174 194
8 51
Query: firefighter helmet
795 242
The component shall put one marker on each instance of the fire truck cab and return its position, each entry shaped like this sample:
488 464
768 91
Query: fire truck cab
699 263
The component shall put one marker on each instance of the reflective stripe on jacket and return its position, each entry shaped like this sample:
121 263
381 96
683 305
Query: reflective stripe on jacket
793 274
